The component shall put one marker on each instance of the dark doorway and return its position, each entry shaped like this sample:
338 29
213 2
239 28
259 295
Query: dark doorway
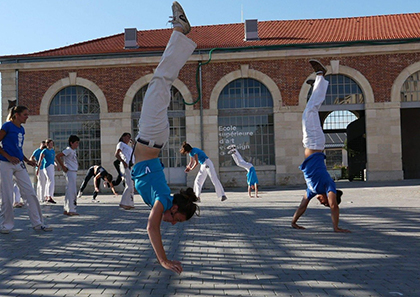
410 140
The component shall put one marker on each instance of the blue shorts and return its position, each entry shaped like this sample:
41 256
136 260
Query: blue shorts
150 182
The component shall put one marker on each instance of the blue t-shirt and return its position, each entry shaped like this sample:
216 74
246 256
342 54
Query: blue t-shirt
251 177
36 154
202 157
150 182
49 157
317 178
12 142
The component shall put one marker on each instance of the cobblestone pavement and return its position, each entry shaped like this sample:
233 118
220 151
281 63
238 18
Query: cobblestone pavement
241 247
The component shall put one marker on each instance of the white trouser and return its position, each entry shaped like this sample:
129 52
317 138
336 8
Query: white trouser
313 136
16 193
128 194
50 184
153 123
240 161
40 185
207 168
7 171
70 199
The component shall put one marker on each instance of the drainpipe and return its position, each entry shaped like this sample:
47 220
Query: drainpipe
17 86
201 110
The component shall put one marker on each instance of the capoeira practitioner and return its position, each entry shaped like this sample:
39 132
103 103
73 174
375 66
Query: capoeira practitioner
318 180
147 173
251 175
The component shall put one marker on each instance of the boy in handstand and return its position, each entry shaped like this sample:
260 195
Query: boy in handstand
318 180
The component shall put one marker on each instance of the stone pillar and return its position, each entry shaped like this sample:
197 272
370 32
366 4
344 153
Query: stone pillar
289 148
8 90
383 141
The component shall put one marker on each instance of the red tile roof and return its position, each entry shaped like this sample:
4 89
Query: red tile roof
271 33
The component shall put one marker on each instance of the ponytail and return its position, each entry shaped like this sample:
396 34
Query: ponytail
185 148
14 110
186 202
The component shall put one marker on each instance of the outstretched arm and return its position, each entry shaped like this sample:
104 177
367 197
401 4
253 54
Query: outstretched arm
153 230
335 212
299 212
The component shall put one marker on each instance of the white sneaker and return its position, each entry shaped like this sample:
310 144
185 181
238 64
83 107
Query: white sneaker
179 19
232 146
232 151
43 228
79 195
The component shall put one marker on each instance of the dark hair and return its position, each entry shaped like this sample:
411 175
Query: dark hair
123 135
14 110
73 139
338 196
108 176
185 200
185 148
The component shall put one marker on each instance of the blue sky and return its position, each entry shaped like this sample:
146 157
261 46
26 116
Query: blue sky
35 25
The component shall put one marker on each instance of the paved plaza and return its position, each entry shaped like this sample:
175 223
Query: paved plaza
241 247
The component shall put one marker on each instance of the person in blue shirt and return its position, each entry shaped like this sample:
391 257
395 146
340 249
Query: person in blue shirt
318 180
147 173
12 166
41 178
47 164
197 156
251 175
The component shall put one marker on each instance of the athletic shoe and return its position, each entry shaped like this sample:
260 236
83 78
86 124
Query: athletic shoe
69 213
232 146
179 19
43 228
50 200
231 151
4 231
223 198
318 67
79 195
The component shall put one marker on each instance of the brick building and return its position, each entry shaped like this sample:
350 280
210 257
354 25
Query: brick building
252 79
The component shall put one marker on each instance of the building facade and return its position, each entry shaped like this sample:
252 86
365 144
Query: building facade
252 92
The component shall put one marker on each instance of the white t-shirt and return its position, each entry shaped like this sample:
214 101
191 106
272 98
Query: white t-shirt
70 159
126 151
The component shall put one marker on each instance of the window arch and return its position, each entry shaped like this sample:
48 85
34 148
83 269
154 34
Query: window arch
342 90
410 90
246 119
169 155
75 110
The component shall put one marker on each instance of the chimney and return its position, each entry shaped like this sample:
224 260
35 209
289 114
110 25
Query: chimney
251 30
130 38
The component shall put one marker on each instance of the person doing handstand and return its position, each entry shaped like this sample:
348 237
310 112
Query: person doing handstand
251 174
318 180
147 173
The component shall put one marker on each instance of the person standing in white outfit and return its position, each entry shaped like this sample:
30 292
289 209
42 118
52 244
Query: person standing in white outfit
124 153
70 167
12 165
47 160
41 178
197 156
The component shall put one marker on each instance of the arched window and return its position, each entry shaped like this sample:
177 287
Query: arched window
410 91
170 156
246 120
342 90
75 110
